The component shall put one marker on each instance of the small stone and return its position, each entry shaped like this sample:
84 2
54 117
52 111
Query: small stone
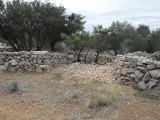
132 75
2 67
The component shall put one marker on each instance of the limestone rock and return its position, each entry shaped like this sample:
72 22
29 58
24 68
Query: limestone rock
142 85
151 84
151 67
132 64
140 64
38 52
44 66
139 74
2 67
131 70
12 69
157 64
155 73
146 77
124 71
13 62
132 75
142 69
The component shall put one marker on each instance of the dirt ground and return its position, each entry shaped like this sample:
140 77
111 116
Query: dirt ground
67 92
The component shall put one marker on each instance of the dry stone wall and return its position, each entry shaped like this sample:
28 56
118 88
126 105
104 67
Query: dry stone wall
42 60
145 72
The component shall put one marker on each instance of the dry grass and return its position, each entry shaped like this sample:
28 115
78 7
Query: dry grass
100 100
105 95
151 95
61 94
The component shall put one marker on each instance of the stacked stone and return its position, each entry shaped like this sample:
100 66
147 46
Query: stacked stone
40 61
143 71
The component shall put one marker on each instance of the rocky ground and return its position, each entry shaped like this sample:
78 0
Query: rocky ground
73 92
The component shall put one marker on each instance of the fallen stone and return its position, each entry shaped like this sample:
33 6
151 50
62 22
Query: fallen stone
12 69
44 66
2 68
132 75
6 64
141 85
136 79
151 84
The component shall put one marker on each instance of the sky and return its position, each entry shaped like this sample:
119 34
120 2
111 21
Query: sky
104 12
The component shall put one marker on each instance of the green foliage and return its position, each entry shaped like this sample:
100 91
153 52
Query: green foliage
156 56
28 25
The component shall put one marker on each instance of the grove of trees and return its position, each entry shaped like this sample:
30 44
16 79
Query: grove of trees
42 26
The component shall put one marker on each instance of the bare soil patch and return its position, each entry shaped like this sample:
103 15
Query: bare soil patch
73 92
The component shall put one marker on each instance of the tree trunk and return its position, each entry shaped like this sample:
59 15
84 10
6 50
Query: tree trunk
97 57
53 43
79 54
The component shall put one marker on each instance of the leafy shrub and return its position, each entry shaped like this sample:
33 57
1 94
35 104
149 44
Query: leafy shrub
155 56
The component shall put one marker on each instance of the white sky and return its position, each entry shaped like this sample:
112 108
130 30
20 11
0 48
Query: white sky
106 11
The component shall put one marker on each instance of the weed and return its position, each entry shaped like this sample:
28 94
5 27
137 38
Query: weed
147 95
100 100
13 87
